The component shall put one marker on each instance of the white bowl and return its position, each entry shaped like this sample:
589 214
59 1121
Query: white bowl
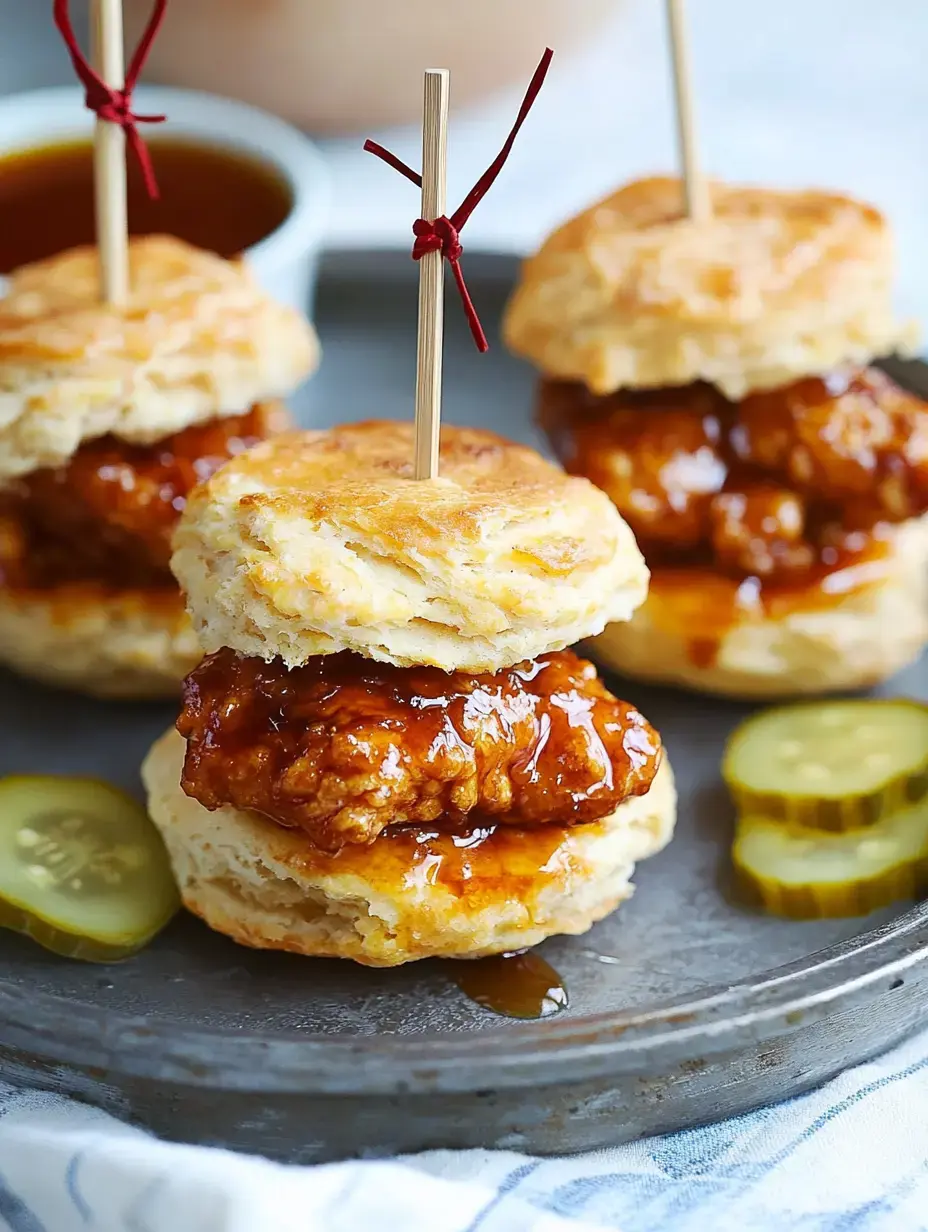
346 66
286 261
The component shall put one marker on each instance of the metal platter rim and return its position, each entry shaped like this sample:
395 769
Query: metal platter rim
774 1003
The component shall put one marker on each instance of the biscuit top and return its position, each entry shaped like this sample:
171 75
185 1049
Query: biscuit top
775 286
198 339
322 541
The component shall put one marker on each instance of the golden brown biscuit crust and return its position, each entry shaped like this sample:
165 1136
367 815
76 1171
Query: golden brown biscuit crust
777 285
322 541
198 339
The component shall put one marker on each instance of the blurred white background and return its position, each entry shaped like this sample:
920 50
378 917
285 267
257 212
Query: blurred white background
793 92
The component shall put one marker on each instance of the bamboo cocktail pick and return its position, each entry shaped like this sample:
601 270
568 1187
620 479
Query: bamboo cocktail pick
698 201
109 157
431 274
108 87
437 241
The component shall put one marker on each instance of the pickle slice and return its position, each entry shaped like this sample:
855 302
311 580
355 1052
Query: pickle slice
834 765
805 874
82 869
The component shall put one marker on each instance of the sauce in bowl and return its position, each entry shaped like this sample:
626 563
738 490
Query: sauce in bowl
214 197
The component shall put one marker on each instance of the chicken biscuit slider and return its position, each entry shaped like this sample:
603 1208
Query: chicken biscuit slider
713 377
387 754
109 416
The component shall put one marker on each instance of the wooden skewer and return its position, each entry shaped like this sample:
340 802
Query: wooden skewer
431 275
698 201
109 157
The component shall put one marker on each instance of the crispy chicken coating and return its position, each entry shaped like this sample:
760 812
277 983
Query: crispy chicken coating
759 531
110 513
659 455
764 487
345 747
856 433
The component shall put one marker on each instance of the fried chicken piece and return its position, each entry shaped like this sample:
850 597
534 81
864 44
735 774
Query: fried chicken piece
344 747
768 487
759 530
854 434
110 513
657 454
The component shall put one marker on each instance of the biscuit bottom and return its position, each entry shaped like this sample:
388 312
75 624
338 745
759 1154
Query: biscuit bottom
109 643
410 894
855 628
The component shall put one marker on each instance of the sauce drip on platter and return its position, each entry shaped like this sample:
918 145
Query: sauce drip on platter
521 985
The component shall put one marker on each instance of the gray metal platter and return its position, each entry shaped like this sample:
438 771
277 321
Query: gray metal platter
684 1007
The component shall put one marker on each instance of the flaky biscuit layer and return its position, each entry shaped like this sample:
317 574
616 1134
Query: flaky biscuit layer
267 887
777 285
198 339
875 630
322 541
108 644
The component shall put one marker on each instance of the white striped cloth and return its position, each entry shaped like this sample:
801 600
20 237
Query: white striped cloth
851 1157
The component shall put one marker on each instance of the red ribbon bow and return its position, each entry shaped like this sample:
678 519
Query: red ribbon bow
443 235
109 102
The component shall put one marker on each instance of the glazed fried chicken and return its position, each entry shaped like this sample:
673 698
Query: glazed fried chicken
855 434
110 512
345 747
760 530
659 456
762 487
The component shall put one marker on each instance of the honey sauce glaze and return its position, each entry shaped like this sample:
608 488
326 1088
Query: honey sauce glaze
344 747
107 516
700 606
481 868
214 198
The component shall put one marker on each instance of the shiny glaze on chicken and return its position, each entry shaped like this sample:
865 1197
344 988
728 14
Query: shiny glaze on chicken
757 504
108 515
345 747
